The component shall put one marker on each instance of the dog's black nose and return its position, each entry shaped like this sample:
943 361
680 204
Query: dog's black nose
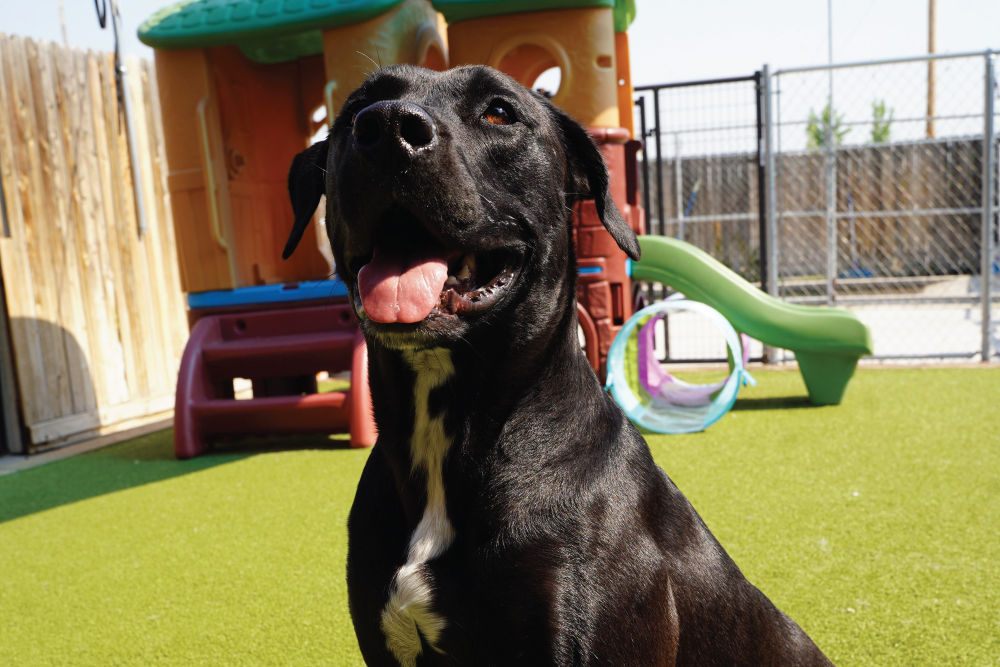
393 124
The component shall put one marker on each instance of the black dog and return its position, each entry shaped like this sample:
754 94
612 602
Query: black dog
509 513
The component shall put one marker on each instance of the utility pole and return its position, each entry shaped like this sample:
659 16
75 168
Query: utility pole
62 23
831 169
931 49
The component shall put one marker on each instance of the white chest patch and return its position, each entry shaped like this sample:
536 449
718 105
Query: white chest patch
408 613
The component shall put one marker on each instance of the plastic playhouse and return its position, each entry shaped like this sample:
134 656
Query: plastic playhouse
243 88
240 85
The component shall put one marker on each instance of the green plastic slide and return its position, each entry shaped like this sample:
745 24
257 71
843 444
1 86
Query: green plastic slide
827 342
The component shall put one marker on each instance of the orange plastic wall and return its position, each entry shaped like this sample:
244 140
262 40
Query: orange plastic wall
232 127
580 42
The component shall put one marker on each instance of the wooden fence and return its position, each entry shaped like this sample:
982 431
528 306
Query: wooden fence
96 314
904 209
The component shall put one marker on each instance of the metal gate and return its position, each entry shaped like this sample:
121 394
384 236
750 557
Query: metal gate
702 180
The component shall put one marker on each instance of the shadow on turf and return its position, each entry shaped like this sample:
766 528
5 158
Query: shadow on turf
150 458
779 403
143 460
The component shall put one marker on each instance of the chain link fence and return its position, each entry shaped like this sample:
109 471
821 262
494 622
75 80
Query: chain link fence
870 188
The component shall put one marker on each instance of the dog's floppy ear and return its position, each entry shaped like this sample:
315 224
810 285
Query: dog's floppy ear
306 184
588 173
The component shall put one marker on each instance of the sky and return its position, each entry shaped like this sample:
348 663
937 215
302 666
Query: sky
671 40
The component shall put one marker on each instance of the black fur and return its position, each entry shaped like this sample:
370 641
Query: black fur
571 547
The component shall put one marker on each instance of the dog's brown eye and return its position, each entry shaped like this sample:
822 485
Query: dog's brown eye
499 113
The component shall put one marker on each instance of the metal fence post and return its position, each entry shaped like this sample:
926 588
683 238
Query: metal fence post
831 200
644 132
659 163
989 138
769 242
679 185
771 238
761 180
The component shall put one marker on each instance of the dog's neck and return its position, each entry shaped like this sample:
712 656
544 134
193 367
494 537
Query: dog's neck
431 402
429 443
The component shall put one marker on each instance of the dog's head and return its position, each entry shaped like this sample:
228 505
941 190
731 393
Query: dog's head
448 203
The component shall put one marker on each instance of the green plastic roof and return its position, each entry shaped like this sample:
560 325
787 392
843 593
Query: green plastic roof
624 14
464 10
282 27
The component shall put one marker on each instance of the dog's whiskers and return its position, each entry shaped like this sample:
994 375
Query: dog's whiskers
371 60
476 351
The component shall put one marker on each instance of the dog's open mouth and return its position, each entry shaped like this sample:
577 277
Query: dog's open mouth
465 291
405 283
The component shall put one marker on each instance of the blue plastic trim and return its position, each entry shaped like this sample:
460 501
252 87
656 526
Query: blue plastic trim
288 292
589 270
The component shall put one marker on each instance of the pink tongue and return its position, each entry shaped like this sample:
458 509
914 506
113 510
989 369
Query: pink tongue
395 288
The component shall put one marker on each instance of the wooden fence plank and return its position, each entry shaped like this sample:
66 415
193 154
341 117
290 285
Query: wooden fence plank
14 258
92 330
57 157
114 389
148 248
36 210
106 127
132 295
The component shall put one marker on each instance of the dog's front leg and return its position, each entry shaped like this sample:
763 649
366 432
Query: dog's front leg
376 549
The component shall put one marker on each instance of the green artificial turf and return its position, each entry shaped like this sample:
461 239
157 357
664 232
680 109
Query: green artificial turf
873 524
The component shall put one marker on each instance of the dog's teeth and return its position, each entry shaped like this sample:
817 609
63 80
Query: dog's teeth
451 282
453 303
468 267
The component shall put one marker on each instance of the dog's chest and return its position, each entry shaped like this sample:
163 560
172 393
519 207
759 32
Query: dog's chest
409 612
